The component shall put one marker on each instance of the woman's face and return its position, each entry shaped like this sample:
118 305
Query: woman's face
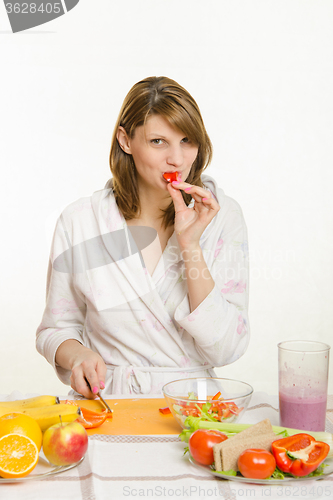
158 148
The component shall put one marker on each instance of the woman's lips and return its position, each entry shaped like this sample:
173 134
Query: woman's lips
171 176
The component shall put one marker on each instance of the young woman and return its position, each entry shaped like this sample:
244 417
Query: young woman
148 278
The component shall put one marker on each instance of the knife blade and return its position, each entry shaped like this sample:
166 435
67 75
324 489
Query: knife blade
104 402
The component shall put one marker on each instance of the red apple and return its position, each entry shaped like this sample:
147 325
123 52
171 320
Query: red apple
65 444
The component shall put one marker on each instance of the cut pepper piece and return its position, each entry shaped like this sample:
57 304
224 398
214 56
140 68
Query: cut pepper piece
217 396
300 454
170 176
89 418
165 410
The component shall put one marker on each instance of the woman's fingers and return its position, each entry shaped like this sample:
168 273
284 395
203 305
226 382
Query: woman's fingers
79 383
203 196
197 192
177 199
101 374
210 203
191 222
88 377
205 204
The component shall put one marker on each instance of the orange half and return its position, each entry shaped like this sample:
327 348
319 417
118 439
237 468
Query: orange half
18 455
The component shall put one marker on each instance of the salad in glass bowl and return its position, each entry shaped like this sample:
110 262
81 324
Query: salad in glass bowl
211 399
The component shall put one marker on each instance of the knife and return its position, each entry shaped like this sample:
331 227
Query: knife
100 397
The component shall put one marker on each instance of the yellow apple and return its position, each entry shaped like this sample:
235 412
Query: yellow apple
65 443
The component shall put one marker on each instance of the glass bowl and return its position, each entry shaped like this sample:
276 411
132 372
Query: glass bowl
215 399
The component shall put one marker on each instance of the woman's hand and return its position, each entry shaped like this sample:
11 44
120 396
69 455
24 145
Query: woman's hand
87 367
88 373
190 223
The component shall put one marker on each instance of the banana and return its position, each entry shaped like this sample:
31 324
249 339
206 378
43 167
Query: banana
49 415
21 404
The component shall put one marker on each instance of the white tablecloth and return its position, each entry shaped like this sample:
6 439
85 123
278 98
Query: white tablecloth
120 467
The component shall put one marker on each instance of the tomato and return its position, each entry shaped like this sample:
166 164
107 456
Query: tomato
201 445
256 463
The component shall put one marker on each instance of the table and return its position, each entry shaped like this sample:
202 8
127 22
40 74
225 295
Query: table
128 459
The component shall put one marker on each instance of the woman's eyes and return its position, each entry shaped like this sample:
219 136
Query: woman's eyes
158 142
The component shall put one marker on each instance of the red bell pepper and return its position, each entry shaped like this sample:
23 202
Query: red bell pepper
165 410
171 176
300 454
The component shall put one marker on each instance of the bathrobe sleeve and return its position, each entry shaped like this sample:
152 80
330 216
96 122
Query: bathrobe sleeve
219 325
65 310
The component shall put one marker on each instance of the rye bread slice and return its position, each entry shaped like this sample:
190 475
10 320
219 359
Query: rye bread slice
226 454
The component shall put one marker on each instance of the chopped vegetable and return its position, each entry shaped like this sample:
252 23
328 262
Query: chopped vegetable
170 176
166 410
227 472
300 454
215 410
217 395
90 419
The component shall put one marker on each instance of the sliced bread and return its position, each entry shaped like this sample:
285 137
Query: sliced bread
226 454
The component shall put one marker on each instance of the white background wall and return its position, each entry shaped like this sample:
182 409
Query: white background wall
262 74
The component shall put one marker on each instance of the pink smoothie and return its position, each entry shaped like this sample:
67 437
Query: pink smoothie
303 413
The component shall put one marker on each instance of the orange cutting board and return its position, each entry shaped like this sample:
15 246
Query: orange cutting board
133 417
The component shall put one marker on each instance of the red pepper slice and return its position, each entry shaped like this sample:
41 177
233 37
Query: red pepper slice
191 405
194 412
165 410
170 176
300 454
217 395
89 418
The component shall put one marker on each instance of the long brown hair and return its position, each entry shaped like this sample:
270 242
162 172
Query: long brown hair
165 97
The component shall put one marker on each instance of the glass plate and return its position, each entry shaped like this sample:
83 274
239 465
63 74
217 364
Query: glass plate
328 470
42 470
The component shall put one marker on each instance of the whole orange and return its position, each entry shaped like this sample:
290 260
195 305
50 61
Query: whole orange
19 423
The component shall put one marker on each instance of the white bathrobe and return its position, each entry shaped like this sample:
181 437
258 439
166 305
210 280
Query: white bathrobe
101 294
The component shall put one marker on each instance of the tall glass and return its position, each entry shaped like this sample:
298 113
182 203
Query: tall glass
303 381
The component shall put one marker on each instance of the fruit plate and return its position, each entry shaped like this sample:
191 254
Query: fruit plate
328 470
42 470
